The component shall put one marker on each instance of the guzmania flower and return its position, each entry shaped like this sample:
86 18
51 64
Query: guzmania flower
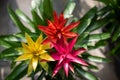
57 28
35 52
65 55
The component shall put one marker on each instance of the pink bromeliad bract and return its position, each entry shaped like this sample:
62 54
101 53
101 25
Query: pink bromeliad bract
65 55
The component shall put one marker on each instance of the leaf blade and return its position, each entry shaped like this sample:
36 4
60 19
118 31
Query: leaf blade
85 74
86 20
25 18
69 9
18 72
16 21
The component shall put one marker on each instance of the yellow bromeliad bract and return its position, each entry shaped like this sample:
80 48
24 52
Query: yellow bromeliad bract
35 52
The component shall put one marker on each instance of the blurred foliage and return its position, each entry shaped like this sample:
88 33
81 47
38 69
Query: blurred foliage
111 9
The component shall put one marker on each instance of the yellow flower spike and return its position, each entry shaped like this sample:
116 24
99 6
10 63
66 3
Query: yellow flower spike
35 52
46 46
46 57
42 52
39 41
34 62
29 40
25 56
26 48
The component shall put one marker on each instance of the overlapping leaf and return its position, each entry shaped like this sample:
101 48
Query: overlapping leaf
17 21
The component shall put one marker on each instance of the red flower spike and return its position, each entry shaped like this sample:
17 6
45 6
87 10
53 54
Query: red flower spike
57 28
70 27
65 55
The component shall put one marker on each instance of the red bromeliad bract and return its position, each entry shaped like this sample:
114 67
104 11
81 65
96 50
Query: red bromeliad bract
57 28
65 55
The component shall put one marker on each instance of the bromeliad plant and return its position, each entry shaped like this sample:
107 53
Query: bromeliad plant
55 46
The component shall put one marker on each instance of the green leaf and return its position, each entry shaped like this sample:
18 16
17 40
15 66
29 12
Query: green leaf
115 49
104 11
12 64
96 37
25 18
111 3
70 77
90 38
22 36
5 44
100 43
80 41
18 72
8 44
116 33
98 24
9 53
92 66
36 18
69 9
35 4
89 57
12 37
41 75
40 7
86 20
83 36
14 40
104 1
85 74
47 10
98 59
112 26
17 21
